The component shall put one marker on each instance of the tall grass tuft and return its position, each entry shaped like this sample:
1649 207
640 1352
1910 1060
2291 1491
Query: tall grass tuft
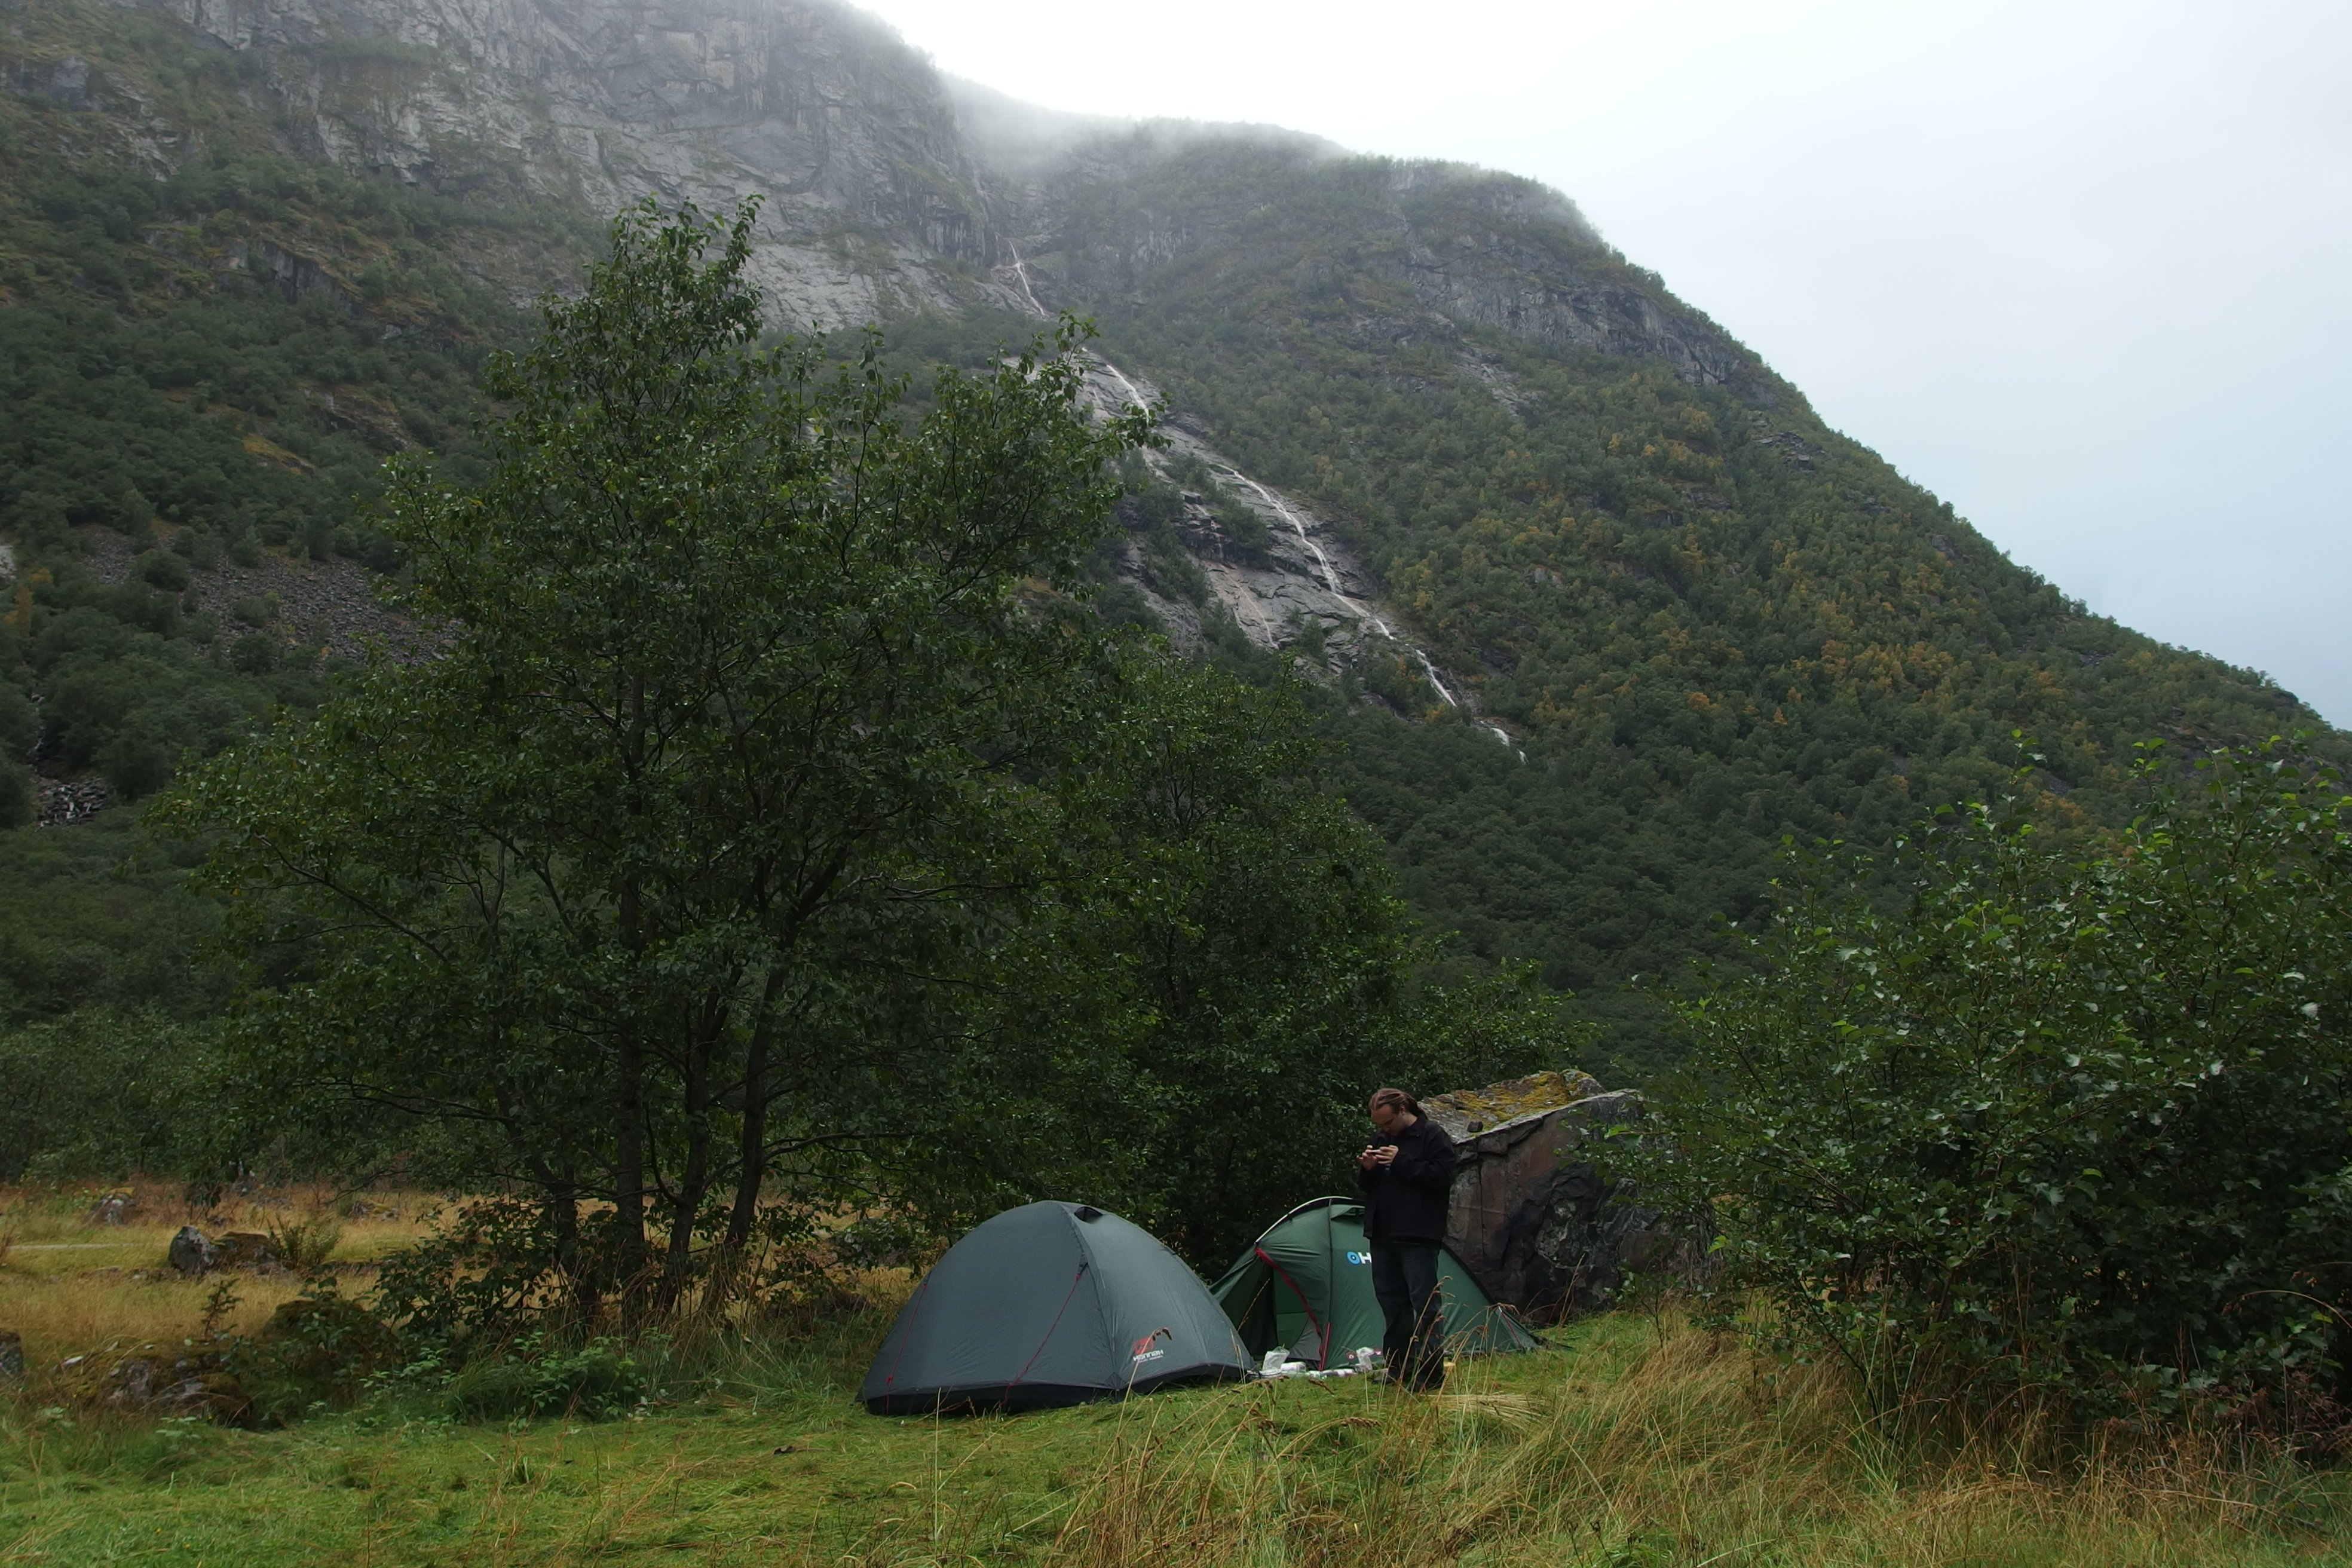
1692 1450
305 1245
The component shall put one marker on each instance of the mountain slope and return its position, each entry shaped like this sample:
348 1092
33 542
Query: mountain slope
1602 608
1708 620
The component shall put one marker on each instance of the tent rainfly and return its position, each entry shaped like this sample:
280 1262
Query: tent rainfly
1306 1284
1047 1304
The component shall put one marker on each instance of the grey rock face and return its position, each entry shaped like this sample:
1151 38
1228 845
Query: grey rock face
1537 1221
1529 291
872 205
190 1253
887 188
1474 248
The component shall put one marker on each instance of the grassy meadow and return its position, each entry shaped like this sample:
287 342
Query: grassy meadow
70 1283
1628 1439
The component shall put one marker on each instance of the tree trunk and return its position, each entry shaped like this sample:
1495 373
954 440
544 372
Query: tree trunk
751 1144
694 1180
629 1090
563 1218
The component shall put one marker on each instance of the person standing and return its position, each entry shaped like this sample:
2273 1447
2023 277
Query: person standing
1407 1175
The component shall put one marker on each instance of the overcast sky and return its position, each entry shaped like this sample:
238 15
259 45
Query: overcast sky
2079 267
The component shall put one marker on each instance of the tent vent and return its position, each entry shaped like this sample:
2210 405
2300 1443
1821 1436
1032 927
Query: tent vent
1087 1211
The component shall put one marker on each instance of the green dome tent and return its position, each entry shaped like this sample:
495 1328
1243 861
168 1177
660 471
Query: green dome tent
1050 1304
1306 1283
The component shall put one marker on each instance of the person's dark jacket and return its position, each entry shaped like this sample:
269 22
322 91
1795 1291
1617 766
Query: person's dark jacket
1405 1200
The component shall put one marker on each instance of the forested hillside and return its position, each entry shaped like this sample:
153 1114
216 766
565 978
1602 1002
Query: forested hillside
208 346
1708 620
1705 621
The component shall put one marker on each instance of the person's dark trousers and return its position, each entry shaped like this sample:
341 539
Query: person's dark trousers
1404 1280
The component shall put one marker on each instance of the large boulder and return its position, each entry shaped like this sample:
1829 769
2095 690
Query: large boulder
315 1348
1536 1218
1464 1111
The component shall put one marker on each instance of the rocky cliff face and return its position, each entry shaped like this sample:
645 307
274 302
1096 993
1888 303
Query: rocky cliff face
888 188
873 206
1110 217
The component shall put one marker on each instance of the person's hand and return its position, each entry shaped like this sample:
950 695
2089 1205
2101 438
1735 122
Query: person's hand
1383 1155
1368 1159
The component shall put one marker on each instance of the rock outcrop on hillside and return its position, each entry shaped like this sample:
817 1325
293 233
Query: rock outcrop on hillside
872 204
887 187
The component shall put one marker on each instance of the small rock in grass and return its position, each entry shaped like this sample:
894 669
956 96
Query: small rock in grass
248 1249
190 1253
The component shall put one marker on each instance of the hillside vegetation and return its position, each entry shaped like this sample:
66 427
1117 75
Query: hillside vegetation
1709 620
207 347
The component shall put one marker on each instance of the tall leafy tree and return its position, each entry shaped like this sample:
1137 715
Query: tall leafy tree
750 680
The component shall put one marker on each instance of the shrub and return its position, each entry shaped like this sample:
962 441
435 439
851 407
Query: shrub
2068 1129
319 1349
162 569
598 1380
18 805
254 654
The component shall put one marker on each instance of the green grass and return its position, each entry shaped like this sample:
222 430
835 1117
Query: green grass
1628 1442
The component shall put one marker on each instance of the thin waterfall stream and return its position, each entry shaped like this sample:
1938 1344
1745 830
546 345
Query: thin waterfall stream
1298 527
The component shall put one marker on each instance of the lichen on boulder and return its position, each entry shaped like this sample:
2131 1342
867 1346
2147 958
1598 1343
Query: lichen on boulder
1465 1113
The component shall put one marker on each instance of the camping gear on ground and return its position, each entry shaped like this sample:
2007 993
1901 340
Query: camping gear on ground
1050 1303
1305 1288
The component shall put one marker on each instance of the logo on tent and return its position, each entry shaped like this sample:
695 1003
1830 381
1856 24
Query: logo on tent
1359 1257
1143 1351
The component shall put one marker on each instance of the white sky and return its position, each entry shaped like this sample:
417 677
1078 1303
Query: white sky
2078 267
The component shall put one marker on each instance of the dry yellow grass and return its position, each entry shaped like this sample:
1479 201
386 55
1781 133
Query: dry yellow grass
70 1283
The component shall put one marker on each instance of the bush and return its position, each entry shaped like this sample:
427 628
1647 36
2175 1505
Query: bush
105 1092
598 1380
18 806
320 1349
162 569
2068 1130
254 654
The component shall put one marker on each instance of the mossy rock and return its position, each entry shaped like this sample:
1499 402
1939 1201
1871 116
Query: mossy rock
1466 1112
157 1378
